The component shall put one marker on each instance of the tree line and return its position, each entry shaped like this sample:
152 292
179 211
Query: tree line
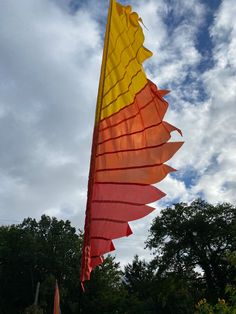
193 269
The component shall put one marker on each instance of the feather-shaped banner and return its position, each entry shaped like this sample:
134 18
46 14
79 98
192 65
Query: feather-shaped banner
130 141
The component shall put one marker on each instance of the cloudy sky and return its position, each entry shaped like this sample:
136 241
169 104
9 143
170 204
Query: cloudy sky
50 55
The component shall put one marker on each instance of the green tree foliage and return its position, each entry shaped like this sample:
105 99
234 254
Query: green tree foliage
221 307
152 292
139 283
196 237
104 292
190 244
203 307
42 252
33 309
38 252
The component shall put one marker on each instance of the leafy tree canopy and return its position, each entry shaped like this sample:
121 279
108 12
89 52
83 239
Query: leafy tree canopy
196 238
46 250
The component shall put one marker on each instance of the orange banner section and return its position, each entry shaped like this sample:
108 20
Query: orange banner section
147 174
101 246
148 103
109 229
119 211
144 156
153 136
132 193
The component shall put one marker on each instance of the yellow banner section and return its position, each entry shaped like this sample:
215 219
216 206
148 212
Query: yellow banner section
124 74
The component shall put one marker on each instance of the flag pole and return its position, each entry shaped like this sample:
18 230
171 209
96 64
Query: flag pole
37 294
36 297
86 246
103 67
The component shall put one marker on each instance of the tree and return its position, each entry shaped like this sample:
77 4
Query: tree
222 307
14 270
104 293
138 276
46 250
139 283
152 292
42 252
196 238
33 309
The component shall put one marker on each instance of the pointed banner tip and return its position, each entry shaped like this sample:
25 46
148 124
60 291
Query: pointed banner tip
159 92
179 143
172 128
162 194
163 92
112 247
129 231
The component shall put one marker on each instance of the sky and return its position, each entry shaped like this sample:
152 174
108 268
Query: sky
50 57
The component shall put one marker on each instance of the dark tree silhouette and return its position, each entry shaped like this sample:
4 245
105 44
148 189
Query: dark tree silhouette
196 237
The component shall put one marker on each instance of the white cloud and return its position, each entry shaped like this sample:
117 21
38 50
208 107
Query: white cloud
47 96
175 54
208 125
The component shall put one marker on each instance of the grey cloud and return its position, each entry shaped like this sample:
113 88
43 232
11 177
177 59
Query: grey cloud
49 63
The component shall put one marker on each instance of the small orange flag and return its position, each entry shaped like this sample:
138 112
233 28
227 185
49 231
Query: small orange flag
56 309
